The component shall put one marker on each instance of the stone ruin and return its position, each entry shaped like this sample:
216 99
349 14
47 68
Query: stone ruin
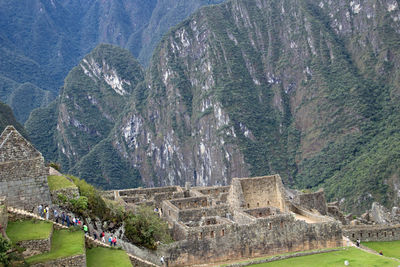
251 217
23 174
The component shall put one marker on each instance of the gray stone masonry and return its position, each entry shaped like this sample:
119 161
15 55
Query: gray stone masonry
73 261
23 175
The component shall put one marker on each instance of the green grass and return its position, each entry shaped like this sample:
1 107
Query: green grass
355 257
388 248
63 244
59 182
99 257
28 230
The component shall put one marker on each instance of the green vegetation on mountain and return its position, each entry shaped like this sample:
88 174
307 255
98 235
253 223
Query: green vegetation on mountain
40 41
7 118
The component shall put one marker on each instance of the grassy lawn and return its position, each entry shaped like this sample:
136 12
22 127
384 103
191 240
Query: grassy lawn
58 182
355 257
99 257
63 244
28 230
389 248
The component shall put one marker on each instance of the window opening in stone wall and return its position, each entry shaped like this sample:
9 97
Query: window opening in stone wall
377 234
260 214
169 212
204 214
258 204
248 205
208 222
360 234
352 235
222 232
212 234
385 234
270 226
201 235
268 202
392 233
369 234
180 205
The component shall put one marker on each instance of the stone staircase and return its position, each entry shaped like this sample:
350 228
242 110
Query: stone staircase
139 261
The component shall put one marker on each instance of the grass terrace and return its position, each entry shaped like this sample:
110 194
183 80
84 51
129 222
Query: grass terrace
28 230
355 257
105 257
388 248
64 244
59 182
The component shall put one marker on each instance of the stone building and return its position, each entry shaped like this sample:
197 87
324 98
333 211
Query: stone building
23 175
251 217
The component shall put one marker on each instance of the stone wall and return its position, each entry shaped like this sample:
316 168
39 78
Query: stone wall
372 232
190 202
23 175
24 183
37 246
258 192
73 261
262 212
147 191
266 236
311 201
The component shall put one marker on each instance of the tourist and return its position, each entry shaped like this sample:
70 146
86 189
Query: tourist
46 212
358 242
63 218
40 209
380 253
67 220
55 213
114 241
85 229
103 239
73 221
110 240
94 235
162 260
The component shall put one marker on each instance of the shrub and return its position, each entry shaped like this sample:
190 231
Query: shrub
5 245
55 165
146 228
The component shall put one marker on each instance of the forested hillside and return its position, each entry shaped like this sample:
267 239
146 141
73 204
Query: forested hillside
42 40
254 87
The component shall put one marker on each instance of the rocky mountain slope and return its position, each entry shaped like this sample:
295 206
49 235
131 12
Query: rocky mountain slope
41 40
252 87
7 118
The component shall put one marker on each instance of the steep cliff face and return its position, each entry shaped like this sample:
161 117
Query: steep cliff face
302 88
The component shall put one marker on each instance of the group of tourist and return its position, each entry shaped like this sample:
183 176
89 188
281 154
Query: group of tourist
66 219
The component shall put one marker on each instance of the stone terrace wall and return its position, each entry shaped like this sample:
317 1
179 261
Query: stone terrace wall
37 246
314 200
266 236
372 232
74 261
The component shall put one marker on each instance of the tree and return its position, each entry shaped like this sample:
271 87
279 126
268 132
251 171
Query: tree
146 228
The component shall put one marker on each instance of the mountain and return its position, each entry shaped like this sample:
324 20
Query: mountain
253 87
7 118
41 40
